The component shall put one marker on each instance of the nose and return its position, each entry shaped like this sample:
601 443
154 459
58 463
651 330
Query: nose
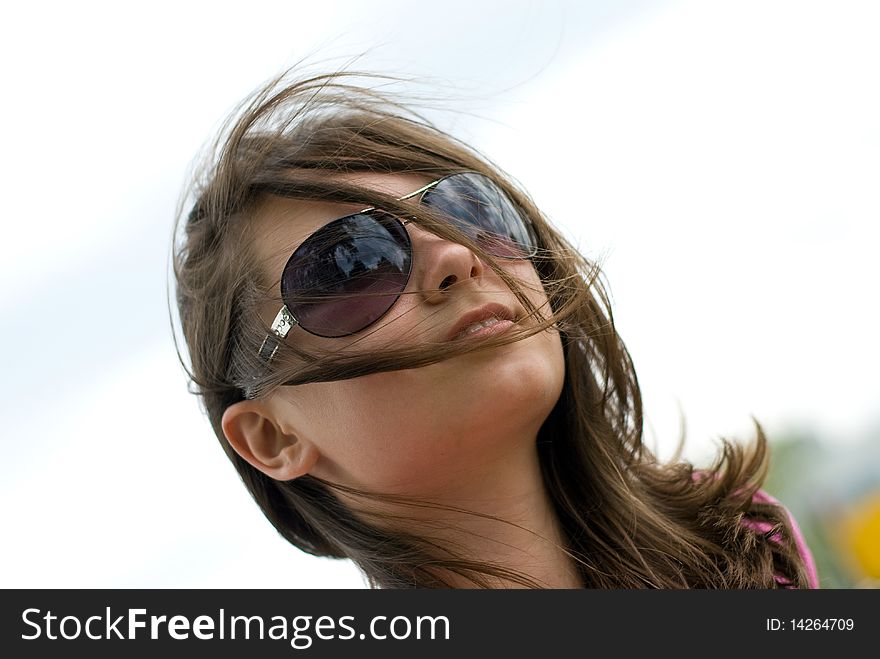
440 263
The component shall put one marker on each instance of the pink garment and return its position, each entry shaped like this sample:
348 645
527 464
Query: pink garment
803 550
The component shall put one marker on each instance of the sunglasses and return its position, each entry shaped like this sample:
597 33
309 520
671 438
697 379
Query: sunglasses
350 272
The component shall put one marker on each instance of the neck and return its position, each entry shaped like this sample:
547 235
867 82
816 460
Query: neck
504 518
526 537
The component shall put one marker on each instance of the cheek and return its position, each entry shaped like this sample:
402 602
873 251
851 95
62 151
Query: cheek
530 283
424 431
373 432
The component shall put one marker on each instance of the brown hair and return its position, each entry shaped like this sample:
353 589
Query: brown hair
629 520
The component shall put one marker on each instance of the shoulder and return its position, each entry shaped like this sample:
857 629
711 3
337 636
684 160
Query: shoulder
762 497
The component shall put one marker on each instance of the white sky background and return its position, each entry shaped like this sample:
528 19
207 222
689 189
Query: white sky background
723 157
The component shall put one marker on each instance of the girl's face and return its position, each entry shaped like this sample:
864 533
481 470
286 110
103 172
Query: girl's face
426 431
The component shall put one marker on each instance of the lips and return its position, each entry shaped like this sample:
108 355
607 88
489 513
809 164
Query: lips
485 320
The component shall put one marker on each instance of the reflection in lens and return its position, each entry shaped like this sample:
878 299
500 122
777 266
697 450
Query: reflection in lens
481 209
348 274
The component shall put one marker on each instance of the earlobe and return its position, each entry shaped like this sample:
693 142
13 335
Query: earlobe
257 436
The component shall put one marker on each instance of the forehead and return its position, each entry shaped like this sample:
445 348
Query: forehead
281 225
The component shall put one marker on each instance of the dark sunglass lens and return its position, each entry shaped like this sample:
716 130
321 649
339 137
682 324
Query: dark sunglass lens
484 212
346 275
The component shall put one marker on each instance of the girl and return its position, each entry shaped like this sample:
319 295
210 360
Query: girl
411 368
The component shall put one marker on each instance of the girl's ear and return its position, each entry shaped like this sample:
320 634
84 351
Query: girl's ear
257 436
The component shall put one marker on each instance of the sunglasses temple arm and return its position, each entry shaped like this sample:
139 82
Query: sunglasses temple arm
283 323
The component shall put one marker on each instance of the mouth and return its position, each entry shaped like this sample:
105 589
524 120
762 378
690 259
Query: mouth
487 320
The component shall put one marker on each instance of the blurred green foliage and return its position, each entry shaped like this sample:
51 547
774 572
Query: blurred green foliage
825 483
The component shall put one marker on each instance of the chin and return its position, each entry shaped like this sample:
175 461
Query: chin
535 373
516 389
